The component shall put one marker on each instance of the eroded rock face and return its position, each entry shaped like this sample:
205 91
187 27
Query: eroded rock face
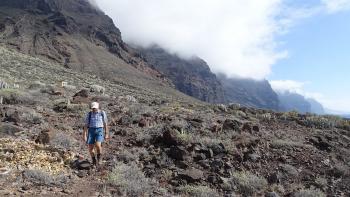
64 32
192 77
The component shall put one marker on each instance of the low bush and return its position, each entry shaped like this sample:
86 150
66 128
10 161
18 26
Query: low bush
15 96
198 191
62 140
309 193
42 178
247 183
130 180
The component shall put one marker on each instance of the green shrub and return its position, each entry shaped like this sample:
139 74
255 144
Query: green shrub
198 191
62 140
309 193
247 183
42 178
130 180
15 96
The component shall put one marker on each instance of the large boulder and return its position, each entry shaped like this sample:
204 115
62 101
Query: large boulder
82 93
178 153
230 124
191 175
170 136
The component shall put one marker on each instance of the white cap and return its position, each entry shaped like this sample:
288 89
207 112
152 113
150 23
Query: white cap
95 105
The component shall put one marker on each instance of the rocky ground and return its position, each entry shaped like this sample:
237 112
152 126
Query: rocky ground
161 145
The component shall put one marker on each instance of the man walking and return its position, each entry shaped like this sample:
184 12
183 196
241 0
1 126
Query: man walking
95 131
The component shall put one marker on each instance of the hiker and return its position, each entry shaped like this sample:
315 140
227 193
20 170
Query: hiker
95 131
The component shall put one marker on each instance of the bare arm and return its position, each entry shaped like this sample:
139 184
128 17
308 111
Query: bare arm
85 130
105 128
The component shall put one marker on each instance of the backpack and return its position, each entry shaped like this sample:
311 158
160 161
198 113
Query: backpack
102 114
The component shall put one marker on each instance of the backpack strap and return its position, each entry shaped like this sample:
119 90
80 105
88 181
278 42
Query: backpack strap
89 119
103 116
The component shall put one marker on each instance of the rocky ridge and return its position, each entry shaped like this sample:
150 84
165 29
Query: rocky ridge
74 34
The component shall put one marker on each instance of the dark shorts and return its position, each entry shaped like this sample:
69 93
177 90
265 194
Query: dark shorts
95 135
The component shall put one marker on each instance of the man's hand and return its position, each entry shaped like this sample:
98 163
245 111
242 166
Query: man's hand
85 138
106 136
85 134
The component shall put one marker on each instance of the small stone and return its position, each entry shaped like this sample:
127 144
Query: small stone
177 152
256 128
275 178
82 174
271 194
247 127
199 157
254 157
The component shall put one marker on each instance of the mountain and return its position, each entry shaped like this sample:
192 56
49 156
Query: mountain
293 102
316 107
192 76
249 92
74 34
79 36
162 142
290 101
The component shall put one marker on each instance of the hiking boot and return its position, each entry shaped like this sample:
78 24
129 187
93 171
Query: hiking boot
99 159
94 161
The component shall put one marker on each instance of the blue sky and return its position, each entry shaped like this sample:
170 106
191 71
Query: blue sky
318 58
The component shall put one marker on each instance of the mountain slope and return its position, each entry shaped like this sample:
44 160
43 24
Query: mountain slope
192 77
23 69
169 145
72 33
248 92
293 102
316 107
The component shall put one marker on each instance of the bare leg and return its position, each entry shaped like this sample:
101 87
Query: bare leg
91 150
98 146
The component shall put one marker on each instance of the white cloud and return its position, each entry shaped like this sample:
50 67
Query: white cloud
333 6
287 85
93 3
236 37
339 104
295 87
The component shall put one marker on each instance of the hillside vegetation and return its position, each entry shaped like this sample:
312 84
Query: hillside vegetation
163 143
